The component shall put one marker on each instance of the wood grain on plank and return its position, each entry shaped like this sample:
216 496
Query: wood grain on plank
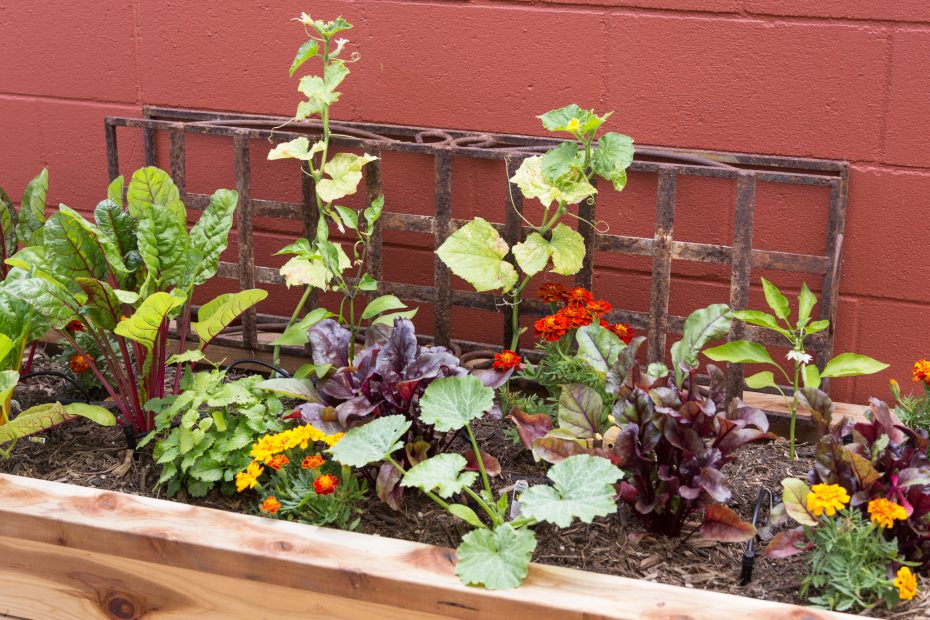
91 548
775 404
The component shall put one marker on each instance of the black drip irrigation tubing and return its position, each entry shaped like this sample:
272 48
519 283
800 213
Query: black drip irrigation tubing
749 556
257 362
59 375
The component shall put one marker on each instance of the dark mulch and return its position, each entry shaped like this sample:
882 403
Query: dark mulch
82 453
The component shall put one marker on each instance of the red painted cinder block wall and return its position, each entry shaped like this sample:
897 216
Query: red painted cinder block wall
838 79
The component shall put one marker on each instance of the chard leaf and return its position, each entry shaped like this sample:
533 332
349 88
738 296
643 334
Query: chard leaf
452 402
599 347
165 247
102 306
191 355
580 411
498 559
8 219
583 488
442 473
143 326
475 253
533 254
8 381
115 191
75 253
150 187
43 417
701 326
852 365
110 250
567 250
210 235
722 523
49 298
32 211
372 442
218 314
117 227
794 497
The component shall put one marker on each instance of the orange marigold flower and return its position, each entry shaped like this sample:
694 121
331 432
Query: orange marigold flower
506 359
552 292
885 512
123 317
551 327
74 326
271 505
79 363
312 462
278 461
624 331
598 307
325 484
576 316
922 371
579 295
906 583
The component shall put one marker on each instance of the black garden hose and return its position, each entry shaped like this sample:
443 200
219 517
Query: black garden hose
749 556
59 375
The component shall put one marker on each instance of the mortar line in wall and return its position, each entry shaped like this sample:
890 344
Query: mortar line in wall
746 16
28 97
136 50
886 93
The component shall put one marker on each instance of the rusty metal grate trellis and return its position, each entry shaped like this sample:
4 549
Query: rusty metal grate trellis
746 171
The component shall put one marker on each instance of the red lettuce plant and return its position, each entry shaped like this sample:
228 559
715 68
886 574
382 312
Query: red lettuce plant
877 459
387 377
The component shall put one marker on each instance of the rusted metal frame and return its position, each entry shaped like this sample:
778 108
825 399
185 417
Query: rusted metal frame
442 280
109 130
176 159
372 173
513 229
740 269
244 231
829 295
661 264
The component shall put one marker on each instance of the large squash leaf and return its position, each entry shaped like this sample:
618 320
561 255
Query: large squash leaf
475 253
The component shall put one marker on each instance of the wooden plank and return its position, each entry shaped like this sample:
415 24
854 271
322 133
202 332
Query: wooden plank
77 552
774 404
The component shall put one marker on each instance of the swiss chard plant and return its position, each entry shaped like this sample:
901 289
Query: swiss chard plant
795 332
321 263
203 435
562 177
497 551
124 277
22 227
387 377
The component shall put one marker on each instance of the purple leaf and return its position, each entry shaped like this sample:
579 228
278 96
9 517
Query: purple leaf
322 417
388 486
788 543
530 427
330 343
491 465
723 524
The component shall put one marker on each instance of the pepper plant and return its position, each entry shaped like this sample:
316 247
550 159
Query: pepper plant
477 253
795 333
321 263
497 552
124 277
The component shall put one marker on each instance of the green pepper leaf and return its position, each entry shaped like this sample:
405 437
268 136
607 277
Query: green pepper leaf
382 304
776 301
498 559
740 352
806 302
852 365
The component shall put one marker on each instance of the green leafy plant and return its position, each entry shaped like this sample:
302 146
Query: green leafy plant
125 277
795 333
850 558
562 177
497 552
321 263
914 409
23 226
203 435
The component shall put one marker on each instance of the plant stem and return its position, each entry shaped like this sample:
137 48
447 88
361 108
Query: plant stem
276 355
478 457
429 494
794 410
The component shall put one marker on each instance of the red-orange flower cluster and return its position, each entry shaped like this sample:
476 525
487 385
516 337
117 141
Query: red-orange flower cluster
278 461
312 462
79 363
579 308
74 326
506 359
922 371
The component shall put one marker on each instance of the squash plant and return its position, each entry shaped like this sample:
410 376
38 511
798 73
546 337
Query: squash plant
321 263
496 553
477 253
125 276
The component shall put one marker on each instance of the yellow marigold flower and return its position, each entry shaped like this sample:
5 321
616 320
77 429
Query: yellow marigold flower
922 371
249 478
265 449
885 512
906 583
573 125
826 498
271 505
